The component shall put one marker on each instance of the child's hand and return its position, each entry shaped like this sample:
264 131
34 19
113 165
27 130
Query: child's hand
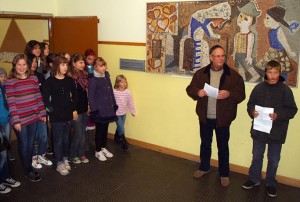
18 127
43 119
75 115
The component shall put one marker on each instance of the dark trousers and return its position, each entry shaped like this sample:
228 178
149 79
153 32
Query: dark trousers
258 151
61 131
101 135
222 136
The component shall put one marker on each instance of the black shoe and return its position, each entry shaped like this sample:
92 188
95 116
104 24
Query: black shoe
271 191
11 182
33 177
124 143
117 139
4 189
249 184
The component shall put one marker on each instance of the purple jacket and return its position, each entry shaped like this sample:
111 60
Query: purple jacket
101 99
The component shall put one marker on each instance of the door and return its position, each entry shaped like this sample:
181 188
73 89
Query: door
73 34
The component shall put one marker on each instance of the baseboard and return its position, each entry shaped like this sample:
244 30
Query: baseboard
192 157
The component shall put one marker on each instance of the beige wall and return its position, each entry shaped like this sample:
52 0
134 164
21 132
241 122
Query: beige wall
165 114
30 29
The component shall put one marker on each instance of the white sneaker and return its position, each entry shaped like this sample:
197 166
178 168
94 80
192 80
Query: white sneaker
99 155
44 160
106 153
35 163
62 169
67 165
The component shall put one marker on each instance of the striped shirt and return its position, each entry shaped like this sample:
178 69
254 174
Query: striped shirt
24 100
124 100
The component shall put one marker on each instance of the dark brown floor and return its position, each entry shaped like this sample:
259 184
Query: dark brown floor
137 175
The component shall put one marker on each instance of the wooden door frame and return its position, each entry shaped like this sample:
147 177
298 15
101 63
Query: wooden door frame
30 16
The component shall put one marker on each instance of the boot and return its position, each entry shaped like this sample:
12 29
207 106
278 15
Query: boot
117 139
124 142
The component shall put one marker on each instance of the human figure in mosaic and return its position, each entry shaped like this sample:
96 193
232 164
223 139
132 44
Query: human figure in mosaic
279 49
244 41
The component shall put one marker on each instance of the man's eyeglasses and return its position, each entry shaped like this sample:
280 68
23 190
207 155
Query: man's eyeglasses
219 56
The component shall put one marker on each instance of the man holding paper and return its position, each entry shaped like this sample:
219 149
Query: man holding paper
272 94
218 89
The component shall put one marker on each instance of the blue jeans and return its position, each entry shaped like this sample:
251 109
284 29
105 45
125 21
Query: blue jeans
60 132
41 136
222 136
258 151
4 171
6 129
77 145
26 144
120 125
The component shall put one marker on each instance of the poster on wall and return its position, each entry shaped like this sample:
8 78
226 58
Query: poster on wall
180 34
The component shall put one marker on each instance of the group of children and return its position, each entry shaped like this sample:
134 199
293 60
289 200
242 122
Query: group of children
66 93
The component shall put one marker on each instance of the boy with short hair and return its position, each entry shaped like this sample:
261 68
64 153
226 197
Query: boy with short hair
272 93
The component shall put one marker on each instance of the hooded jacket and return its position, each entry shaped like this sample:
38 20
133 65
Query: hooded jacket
280 97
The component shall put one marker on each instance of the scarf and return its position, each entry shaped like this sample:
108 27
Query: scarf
81 79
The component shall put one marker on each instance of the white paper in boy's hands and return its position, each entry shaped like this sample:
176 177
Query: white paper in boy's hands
211 91
263 121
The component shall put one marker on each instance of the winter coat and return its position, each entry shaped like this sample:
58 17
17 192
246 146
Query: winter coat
101 99
280 97
226 108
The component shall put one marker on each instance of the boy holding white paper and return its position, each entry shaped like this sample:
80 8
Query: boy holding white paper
272 93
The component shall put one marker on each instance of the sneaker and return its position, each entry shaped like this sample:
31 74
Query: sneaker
35 162
84 159
62 169
67 165
271 191
249 184
225 181
106 153
4 189
11 182
33 177
199 173
76 160
10 156
43 160
99 155
49 151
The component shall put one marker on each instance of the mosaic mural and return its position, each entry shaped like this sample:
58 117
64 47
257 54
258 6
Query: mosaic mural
180 34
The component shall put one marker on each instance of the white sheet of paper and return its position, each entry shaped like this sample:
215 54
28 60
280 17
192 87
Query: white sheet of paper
263 121
211 91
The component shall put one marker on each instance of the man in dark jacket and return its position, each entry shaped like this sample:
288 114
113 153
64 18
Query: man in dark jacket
272 93
216 113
